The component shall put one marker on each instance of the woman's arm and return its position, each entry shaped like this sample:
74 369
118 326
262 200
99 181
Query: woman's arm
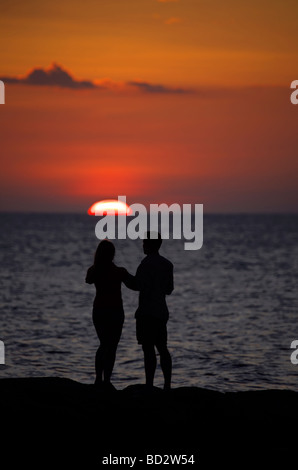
90 275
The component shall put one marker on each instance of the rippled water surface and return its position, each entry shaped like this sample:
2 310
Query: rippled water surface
233 313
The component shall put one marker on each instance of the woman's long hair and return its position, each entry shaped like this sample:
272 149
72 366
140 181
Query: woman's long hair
104 254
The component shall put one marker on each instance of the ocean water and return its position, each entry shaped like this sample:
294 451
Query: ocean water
233 313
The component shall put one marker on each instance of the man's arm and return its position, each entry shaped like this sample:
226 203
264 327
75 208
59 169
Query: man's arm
132 282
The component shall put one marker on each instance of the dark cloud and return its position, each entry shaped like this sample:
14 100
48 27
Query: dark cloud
53 76
152 88
57 76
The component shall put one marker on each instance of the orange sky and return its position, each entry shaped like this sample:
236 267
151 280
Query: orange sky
193 104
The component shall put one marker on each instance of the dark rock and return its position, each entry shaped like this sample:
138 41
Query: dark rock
67 424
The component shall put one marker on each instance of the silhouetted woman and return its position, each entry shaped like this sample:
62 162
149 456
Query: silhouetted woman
108 313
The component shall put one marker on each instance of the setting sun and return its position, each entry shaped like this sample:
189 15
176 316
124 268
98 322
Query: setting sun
101 207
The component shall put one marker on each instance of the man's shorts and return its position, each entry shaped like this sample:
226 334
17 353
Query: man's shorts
151 330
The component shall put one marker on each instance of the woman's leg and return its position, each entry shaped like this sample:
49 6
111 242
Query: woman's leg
99 365
99 356
109 361
113 338
109 332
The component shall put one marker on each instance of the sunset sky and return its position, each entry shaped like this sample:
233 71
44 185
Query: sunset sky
182 101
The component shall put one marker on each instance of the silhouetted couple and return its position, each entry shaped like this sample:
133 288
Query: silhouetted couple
153 280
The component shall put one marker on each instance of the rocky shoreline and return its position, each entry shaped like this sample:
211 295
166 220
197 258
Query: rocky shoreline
57 421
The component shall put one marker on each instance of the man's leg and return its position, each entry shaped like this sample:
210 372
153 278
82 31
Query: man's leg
165 364
150 363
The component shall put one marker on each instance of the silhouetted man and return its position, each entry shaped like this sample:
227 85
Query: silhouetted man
154 280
